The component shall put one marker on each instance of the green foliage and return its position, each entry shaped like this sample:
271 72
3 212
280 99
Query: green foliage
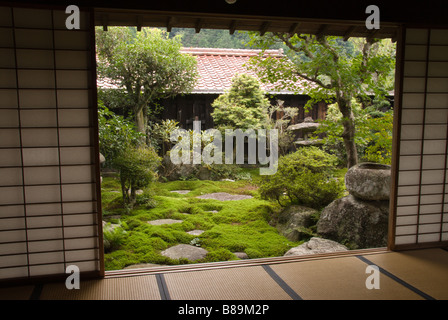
116 134
305 177
373 132
331 70
244 106
113 238
137 168
146 66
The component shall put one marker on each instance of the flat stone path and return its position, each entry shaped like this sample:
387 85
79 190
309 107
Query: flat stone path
164 221
196 232
224 196
185 251
181 191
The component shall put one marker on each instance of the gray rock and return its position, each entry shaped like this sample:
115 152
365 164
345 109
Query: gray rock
362 223
316 245
369 181
241 255
181 191
185 251
293 220
164 221
195 232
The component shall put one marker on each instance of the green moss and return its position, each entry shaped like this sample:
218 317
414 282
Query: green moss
237 226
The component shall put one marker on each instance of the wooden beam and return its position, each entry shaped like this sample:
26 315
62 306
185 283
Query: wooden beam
349 33
169 22
139 23
198 25
293 30
104 22
264 27
232 26
321 30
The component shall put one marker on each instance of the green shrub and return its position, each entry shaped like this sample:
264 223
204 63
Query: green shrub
137 168
305 177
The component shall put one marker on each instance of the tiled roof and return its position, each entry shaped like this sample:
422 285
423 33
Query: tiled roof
217 67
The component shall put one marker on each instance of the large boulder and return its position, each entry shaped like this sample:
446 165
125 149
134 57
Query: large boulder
316 245
363 224
293 221
369 181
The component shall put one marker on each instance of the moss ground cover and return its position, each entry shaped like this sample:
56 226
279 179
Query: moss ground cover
229 226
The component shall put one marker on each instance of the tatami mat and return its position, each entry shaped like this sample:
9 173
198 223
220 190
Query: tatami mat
129 288
248 283
409 275
425 270
338 278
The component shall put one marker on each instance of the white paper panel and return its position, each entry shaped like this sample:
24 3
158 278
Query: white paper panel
77 174
76 155
9 98
423 204
72 59
41 79
77 192
42 175
46 258
39 194
65 39
74 118
5 17
34 39
42 59
12 223
434 100
45 137
42 246
10 157
11 195
40 156
37 99
12 211
13 260
7 59
74 137
7 78
73 99
415 52
48 269
38 118
32 18
43 209
6 38
42 222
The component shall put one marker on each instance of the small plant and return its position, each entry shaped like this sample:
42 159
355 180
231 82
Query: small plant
113 238
196 242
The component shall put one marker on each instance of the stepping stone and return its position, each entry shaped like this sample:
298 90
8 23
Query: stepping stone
164 221
223 196
181 191
213 211
241 255
195 232
185 251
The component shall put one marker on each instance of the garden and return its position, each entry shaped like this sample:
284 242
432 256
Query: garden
156 212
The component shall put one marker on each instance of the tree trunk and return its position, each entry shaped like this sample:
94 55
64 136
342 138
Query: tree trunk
348 135
140 120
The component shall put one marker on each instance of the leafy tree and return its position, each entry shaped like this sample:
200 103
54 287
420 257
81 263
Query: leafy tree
116 134
333 71
146 65
374 132
243 107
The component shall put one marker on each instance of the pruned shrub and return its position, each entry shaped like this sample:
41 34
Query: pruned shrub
305 177
137 168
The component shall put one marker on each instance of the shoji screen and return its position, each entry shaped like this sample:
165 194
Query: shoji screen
48 155
422 202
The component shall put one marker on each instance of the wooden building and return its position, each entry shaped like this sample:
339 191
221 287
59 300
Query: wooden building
216 69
